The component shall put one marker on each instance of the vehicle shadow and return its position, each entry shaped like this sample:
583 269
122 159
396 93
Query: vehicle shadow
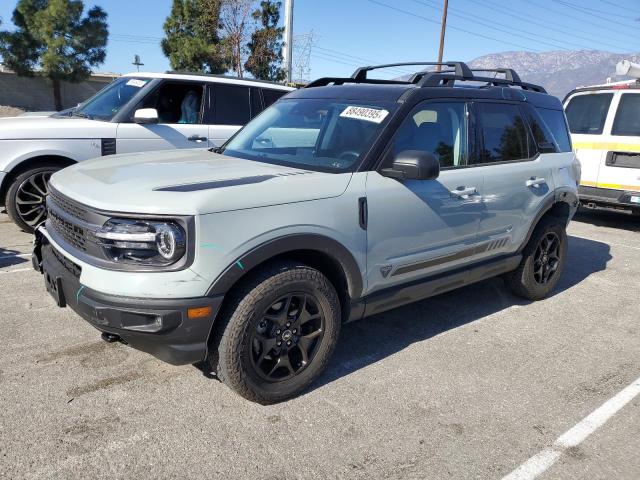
373 339
9 258
607 218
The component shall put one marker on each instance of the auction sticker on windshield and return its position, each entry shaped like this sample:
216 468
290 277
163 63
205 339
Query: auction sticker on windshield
134 82
363 113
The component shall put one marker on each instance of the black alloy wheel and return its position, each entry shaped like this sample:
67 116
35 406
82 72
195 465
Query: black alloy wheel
31 196
547 258
286 339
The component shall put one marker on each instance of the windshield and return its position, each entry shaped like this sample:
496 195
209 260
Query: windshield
319 134
107 102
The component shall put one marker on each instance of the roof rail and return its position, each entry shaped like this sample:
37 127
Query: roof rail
461 68
458 71
228 77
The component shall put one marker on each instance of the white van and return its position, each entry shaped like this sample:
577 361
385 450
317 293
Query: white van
135 113
604 121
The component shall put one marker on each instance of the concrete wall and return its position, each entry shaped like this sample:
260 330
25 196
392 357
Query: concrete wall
36 93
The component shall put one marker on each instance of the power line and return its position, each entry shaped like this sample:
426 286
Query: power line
613 4
453 27
509 30
595 10
585 11
498 8
565 15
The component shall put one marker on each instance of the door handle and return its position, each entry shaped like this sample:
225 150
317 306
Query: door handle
534 182
197 138
462 192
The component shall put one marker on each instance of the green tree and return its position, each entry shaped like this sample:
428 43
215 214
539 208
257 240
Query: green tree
265 47
192 41
56 39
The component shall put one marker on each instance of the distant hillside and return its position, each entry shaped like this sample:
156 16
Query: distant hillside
559 71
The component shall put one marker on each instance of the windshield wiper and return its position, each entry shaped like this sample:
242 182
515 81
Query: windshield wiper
217 149
78 114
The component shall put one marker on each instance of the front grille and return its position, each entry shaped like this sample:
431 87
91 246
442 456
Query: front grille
73 234
68 206
70 266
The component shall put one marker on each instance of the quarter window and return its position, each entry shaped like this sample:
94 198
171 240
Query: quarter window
557 125
627 121
437 128
586 114
503 133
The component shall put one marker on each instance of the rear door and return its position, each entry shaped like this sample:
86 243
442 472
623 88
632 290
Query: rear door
517 180
620 165
587 116
417 228
228 109
180 107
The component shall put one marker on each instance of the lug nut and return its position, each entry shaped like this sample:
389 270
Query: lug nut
289 343
278 332
288 324
295 330
278 343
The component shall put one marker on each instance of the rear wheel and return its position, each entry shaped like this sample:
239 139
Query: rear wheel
279 333
26 197
542 261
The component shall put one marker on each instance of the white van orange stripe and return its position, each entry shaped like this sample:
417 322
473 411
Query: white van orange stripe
613 186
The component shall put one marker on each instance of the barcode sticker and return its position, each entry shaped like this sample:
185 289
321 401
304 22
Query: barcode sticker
134 82
363 113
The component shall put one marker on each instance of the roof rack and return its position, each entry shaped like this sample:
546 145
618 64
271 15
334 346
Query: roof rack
429 78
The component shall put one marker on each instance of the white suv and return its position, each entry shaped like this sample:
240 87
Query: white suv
138 112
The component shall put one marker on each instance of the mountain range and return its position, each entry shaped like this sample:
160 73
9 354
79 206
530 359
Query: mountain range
560 71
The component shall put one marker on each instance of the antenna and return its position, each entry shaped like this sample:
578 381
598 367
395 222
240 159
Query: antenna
137 62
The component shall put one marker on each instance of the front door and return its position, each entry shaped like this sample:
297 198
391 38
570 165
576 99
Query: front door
419 227
180 125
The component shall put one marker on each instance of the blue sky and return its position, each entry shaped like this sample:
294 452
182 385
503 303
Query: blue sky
354 32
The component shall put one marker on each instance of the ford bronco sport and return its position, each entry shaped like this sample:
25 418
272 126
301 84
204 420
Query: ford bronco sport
342 200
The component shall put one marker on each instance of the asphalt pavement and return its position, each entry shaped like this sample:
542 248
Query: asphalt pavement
467 385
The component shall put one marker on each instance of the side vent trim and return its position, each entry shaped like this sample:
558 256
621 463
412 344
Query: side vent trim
108 146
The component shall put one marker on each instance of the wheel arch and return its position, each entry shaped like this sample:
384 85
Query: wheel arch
559 206
28 163
323 253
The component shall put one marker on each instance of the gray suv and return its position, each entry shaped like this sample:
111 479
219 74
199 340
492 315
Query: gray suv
341 200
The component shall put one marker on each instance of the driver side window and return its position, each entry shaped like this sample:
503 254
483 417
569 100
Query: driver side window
176 103
439 128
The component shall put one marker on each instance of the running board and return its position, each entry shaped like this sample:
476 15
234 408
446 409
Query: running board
390 298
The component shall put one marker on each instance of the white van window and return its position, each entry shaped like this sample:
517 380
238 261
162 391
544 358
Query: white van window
586 114
627 121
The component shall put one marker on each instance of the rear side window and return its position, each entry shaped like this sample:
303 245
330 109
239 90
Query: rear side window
503 133
231 105
270 96
557 125
586 114
627 121
256 102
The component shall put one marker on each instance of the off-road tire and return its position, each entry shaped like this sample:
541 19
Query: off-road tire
522 281
230 349
12 192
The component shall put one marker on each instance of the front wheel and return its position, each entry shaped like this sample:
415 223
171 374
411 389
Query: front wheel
26 197
542 262
279 333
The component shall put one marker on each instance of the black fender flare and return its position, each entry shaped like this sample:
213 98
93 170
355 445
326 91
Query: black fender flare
289 243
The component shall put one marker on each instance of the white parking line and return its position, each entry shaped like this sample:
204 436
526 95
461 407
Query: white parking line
16 270
573 437
22 255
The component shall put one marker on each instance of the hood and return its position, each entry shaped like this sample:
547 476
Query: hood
40 127
190 182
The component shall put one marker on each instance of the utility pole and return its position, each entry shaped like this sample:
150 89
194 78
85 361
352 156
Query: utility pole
137 62
288 40
443 29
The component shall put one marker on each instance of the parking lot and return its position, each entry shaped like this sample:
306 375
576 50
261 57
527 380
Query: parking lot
469 384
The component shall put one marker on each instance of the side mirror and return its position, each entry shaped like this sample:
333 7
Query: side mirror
413 165
145 116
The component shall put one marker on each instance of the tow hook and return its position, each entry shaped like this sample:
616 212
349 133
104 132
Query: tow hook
110 337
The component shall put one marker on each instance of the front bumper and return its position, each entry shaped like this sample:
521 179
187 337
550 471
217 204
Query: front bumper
160 327
609 198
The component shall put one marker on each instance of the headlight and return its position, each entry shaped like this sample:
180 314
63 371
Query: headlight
142 242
